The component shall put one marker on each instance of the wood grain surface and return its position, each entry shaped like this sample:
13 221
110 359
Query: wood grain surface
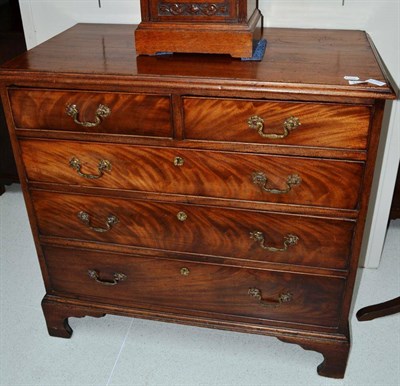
206 230
222 27
207 287
107 53
131 114
322 125
325 183
333 152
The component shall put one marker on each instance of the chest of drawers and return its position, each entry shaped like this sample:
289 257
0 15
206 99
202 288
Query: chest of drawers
199 189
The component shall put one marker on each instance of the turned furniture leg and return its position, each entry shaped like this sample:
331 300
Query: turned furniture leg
57 314
335 355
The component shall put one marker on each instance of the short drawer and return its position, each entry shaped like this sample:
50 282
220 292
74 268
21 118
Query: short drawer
94 112
143 282
263 178
240 234
282 123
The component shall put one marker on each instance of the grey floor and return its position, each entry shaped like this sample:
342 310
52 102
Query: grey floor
122 351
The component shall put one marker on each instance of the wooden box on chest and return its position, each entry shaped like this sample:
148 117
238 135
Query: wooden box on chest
203 26
199 189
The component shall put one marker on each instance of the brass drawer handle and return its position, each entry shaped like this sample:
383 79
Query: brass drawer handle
288 241
103 166
257 123
282 298
117 278
101 113
260 179
85 219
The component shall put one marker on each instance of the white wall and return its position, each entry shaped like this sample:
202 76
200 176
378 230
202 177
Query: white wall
43 19
380 18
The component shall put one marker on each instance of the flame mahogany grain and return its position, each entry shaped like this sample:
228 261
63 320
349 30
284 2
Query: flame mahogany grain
208 287
329 125
196 107
131 114
207 230
204 173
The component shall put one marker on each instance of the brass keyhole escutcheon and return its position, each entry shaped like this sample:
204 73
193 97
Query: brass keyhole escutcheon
181 216
179 161
185 271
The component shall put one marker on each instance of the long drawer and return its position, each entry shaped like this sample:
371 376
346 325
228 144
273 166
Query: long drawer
281 123
241 234
261 295
94 112
264 178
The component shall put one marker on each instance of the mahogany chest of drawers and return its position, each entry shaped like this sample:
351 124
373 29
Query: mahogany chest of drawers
199 189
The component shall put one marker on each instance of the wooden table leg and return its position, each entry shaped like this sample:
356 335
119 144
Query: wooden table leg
378 310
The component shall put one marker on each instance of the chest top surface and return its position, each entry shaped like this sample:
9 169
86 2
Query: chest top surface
312 60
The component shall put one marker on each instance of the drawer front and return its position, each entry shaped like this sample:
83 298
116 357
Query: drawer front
264 178
204 287
321 125
130 114
248 235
